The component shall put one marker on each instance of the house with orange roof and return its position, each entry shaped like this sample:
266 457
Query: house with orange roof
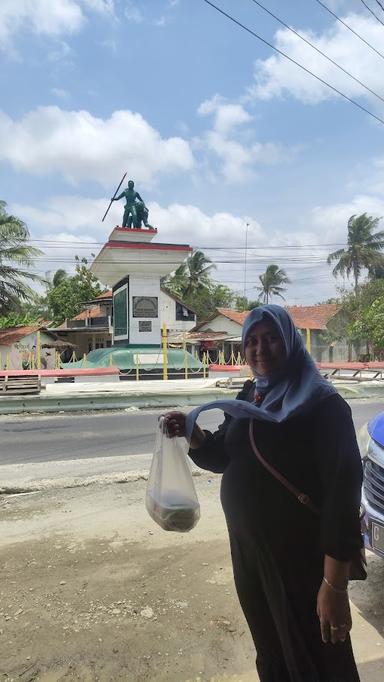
24 346
313 322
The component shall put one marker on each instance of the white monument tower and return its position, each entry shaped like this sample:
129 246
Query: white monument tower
131 264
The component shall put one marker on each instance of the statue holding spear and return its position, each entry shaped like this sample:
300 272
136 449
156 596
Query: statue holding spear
135 210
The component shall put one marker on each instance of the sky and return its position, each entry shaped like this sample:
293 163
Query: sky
228 142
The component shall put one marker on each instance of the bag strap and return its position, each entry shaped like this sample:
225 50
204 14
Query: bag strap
300 496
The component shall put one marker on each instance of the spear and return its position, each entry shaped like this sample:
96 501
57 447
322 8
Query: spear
110 203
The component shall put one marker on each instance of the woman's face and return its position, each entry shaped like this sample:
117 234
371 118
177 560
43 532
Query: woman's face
264 349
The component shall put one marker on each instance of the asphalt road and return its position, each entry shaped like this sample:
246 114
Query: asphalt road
78 436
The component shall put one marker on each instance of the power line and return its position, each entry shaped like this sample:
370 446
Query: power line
350 29
308 42
304 258
304 68
380 5
307 260
372 12
48 243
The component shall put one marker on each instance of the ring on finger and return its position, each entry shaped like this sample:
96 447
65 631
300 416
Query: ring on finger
339 627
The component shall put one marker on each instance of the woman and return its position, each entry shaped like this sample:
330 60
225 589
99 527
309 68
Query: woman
290 564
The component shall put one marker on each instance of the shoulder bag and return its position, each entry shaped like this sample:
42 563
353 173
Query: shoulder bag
357 570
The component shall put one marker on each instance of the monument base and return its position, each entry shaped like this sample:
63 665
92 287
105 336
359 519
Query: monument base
143 362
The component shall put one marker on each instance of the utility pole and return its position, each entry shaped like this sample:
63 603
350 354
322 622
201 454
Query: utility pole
245 259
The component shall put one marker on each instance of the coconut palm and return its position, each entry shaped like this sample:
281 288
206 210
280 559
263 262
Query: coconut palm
59 276
197 272
190 276
363 250
16 256
271 283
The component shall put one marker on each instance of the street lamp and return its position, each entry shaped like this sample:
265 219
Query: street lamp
245 259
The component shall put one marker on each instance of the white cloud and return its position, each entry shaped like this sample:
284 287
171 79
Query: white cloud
80 146
60 93
69 213
183 222
133 13
71 225
40 16
177 222
237 159
60 250
46 17
332 220
226 115
276 76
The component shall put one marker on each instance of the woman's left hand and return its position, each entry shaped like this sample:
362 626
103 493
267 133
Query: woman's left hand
334 614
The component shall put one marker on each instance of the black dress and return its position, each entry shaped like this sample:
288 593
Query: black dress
277 544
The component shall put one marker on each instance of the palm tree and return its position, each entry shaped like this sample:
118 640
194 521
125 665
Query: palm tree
16 256
363 250
271 283
190 276
59 276
197 272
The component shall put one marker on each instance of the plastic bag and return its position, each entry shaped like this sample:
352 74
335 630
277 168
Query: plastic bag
171 498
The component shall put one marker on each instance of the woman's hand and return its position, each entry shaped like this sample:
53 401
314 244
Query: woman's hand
175 423
334 614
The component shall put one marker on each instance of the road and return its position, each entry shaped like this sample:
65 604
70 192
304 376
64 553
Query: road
33 439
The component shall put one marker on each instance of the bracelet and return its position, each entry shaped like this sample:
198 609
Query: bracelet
333 588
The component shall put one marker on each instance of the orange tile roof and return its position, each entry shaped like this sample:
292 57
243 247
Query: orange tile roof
233 315
313 316
11 335
105 294
304 316
95 311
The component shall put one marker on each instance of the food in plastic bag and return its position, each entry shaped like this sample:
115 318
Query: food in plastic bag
171 498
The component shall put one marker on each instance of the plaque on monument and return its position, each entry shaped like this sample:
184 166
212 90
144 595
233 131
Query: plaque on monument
145 306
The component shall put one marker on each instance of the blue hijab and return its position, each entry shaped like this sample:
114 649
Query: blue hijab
297 388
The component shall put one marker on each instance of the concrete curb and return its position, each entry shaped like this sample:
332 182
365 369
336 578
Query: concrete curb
91 401
142 399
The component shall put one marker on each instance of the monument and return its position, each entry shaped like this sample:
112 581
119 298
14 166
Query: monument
131 263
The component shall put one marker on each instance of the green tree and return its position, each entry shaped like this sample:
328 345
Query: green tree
176 281
16 319
242 303
67 298
272 281
353 321
363 250
206 299
16 257
194 274
192 283
59 276
370 326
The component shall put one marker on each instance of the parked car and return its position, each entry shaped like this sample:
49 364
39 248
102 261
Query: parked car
371 442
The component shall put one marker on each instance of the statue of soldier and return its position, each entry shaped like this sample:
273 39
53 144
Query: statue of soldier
135 210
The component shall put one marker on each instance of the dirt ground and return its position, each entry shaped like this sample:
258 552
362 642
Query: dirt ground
91 589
